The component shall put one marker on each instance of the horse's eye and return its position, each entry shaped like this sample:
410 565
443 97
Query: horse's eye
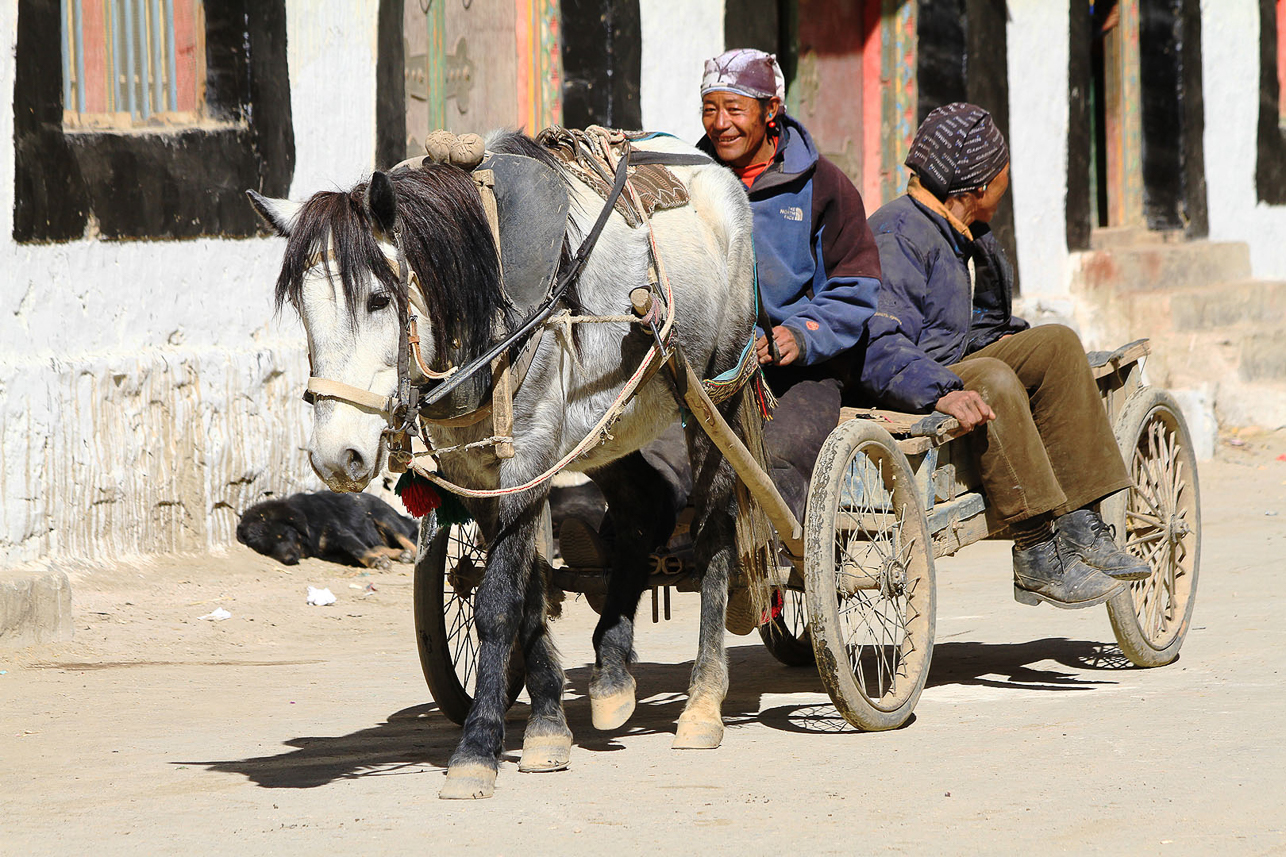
377 302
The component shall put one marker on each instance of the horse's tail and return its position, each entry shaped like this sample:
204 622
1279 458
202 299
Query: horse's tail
756 538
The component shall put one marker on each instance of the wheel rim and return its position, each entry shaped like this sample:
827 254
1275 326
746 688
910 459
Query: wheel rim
465 560
1160 526
875 534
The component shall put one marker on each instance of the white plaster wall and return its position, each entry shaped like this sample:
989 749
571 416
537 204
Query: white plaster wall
147 394
1038 123
678 37
332 46
1230 69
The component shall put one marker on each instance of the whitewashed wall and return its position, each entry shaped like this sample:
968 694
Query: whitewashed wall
1038 123
146 393
1230 50
678 37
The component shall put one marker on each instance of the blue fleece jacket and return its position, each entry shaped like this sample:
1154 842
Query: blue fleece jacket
819 270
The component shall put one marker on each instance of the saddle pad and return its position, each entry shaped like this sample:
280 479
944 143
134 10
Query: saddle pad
658 188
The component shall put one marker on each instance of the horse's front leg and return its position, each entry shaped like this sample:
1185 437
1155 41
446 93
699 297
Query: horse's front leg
701 724
498 614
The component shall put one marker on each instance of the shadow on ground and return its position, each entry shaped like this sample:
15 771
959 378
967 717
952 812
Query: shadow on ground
421 739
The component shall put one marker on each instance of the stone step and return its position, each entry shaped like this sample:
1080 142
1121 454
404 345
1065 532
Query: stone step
1154 266
1263 355
1110 237
35 607
1227 304
1252 351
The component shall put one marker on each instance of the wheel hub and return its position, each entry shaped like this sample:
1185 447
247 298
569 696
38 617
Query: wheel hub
892 578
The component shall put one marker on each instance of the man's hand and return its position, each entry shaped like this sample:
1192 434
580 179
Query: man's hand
787 346
969 408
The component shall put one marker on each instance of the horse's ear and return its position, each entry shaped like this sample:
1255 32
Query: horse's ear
280 214
381 202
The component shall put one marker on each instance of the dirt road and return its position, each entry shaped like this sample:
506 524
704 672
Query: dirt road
290 729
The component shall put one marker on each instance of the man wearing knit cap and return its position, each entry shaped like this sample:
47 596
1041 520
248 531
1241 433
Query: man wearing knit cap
943 338
819 271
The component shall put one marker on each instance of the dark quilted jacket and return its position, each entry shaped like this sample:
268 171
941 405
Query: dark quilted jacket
925 320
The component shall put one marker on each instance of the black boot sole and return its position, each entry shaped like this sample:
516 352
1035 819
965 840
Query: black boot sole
1033 599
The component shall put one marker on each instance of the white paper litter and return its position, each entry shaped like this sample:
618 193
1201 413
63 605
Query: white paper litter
218 614
320 597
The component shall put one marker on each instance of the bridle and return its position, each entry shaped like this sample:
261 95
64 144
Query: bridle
400 409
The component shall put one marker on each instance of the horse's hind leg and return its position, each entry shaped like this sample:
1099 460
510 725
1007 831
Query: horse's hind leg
642 511
547 743
498 611
713 489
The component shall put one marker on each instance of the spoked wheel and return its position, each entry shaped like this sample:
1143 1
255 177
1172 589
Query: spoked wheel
868 572
786 637
1158 519
447 573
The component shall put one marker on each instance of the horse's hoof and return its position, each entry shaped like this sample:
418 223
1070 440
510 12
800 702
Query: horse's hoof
610 711
469 782
544 753
697 735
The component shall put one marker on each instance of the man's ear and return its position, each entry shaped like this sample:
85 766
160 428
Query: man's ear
280 214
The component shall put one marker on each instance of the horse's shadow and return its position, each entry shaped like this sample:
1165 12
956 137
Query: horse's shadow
420 737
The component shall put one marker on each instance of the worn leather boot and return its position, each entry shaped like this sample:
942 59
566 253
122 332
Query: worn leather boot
1084 534
1041 575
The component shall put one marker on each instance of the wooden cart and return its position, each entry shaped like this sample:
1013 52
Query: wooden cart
890 492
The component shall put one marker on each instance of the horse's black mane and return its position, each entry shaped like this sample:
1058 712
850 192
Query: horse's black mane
447 242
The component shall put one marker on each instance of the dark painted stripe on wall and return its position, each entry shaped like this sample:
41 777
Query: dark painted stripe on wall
390 86
1174 192
1080 82
1270 163
602 53
963 56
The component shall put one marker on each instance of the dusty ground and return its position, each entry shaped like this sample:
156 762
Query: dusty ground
291 729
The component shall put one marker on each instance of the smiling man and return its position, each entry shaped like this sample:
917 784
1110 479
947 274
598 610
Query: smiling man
819 269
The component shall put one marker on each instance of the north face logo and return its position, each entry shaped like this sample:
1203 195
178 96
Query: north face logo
793 213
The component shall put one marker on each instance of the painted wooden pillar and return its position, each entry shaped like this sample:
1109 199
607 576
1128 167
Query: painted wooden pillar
827 93
1124 119
423 35
901 95
540 64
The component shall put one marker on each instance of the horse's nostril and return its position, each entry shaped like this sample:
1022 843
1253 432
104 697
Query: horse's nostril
354 463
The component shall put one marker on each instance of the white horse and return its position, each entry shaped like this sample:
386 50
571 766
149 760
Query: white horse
341 273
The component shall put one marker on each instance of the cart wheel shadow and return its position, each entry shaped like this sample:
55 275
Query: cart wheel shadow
420 739
1014 666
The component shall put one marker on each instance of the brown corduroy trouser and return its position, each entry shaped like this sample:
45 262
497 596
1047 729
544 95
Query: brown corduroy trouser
1050 448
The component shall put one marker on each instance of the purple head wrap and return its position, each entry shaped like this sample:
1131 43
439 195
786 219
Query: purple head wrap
744 71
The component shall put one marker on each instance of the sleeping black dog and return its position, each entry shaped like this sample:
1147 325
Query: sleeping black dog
353 529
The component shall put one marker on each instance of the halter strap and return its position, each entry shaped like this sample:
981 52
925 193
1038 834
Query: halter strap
325 388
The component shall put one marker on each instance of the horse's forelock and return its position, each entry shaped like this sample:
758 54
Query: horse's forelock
335 223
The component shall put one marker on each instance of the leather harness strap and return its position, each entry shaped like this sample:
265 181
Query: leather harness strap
325 388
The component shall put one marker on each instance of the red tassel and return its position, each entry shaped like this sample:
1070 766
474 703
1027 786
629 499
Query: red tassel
420 498
775 607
